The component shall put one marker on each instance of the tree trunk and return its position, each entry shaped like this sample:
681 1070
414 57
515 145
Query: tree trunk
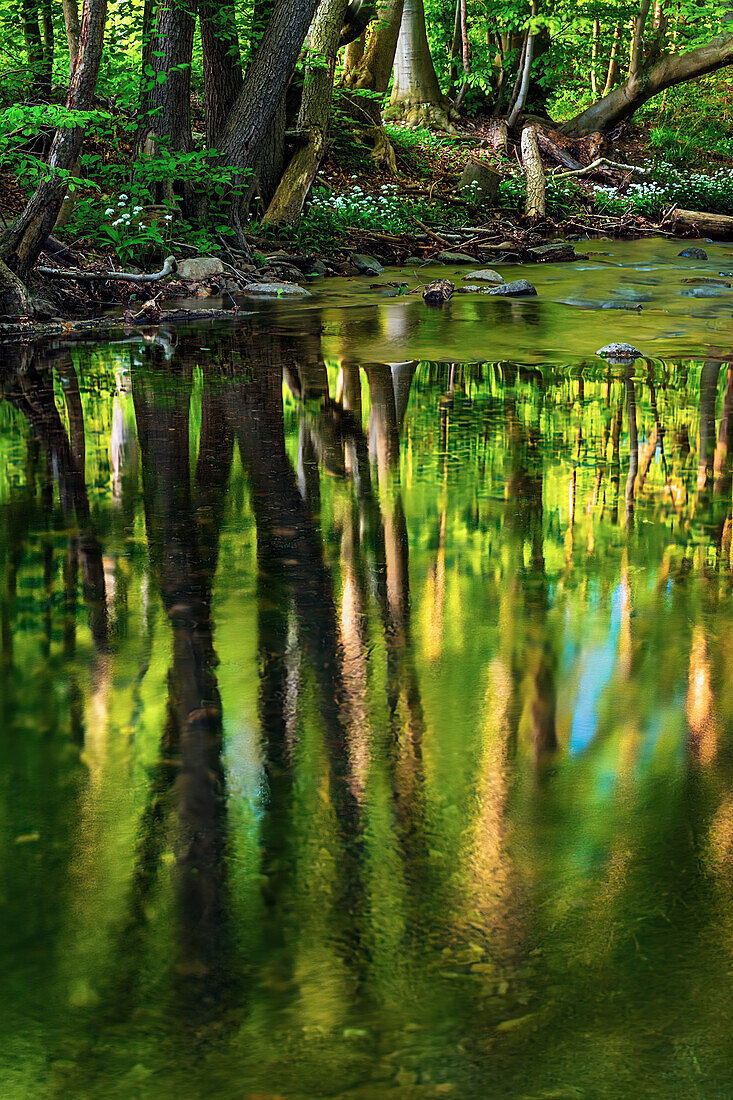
612 72
416 94
243 137
32 37
594 56
13 295
48 46
22 242
636 56
372 73
526 71
535 203
167 116
222 63
375 66
315 113
71 22
621 103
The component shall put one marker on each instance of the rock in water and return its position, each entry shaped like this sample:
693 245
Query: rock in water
366 265
201 267
700 280
485 275
693 254
518 289
275 290
620 353
439 291
555 253
455 258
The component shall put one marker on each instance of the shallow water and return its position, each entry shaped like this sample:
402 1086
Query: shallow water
366 724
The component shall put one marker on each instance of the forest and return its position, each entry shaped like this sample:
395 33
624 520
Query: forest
131 130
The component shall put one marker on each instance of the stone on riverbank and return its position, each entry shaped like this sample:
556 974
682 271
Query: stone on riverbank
455 258
439 291
200 267
478 182
693 254
555 253
366 265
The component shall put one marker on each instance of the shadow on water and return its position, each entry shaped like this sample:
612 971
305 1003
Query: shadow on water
387 749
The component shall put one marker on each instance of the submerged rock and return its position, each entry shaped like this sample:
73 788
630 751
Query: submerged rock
366 265
701 280
557 252
455 258
518 289
703 292
439 291
620 353
275 290
693 254
485 275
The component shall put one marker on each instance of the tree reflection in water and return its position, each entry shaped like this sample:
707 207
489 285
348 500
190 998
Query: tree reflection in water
490 717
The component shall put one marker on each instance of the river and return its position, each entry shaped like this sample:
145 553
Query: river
366 688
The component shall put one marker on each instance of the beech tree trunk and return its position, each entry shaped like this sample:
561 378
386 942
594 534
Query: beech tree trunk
374 69
222 63
371 71
21 243
315 113
416 94
621 103
243 137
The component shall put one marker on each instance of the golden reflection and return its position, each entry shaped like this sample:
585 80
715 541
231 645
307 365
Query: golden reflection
700 702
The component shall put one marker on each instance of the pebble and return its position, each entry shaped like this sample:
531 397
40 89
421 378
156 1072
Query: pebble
485 275
521 288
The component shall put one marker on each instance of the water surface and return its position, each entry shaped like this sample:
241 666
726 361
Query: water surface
366 723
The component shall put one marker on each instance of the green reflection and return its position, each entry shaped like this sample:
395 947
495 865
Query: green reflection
366 726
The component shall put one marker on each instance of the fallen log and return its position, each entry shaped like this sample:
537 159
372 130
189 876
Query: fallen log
168 268
718 226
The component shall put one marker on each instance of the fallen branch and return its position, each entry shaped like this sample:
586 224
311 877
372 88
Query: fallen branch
598 163
168 268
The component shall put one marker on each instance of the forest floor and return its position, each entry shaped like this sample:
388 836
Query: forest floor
417 216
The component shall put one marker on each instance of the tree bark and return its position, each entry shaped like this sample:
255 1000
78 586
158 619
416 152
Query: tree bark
375 66
623 101
594 56
315 113
13 295
416 94
636 56
535 202
243 137
526 71
167 115
613 61
71 22
222 63
33 41
372 73
21 243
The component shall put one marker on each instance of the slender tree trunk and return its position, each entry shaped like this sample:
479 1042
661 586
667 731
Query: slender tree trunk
222 63
594 57
621 103
13 295
526 71
636 57
48 45
315 113
71 22
612 71
244 135
22 242
416 94
32 37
